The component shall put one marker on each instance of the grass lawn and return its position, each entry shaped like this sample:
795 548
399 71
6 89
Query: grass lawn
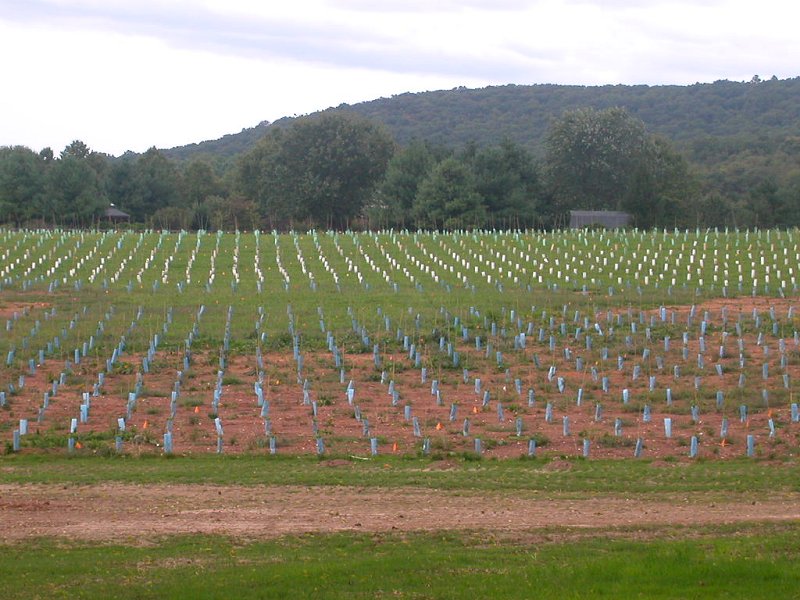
712 563
578 475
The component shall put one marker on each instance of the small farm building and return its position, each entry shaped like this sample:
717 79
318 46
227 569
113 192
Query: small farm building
114 215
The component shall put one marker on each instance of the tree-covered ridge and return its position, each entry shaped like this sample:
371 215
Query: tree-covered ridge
340 169
735 111
741 139
524 113
223 149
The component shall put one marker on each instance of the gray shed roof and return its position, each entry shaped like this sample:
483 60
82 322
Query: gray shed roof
112 212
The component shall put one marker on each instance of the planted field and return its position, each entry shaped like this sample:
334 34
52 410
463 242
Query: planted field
586 344
303 415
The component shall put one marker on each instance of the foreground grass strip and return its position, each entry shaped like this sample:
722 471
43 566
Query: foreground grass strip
556 476
754 562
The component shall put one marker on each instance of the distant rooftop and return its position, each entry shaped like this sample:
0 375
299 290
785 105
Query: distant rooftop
112 212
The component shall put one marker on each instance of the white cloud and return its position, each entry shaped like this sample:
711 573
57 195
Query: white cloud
125 74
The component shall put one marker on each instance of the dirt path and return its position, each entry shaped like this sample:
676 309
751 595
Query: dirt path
131 513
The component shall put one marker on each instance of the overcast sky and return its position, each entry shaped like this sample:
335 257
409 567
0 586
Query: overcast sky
130 74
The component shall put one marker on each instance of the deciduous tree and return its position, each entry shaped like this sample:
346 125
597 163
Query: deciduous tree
606 160
447 198
323 168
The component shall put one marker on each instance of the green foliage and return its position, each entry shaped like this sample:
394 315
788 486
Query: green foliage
405 172
226 147
199 182
174 217
447 198
156 184
663 189
257 174
322 170
22 173
591 156
606 160
507 180
435 188
231 213
74 188
69 190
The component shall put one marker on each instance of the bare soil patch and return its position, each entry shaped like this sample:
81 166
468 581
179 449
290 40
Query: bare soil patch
143 513
9 309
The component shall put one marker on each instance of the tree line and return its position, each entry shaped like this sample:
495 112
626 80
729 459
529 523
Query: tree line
339 170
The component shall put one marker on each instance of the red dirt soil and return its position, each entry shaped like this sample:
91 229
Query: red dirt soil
292 421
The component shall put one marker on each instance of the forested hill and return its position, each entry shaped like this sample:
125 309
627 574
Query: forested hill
225 147
723 154
725 114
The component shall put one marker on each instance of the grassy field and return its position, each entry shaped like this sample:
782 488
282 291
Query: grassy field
712 563
582 477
